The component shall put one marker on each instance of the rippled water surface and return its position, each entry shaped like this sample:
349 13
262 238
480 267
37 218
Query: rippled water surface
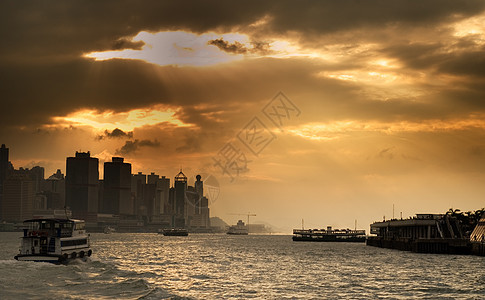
152 266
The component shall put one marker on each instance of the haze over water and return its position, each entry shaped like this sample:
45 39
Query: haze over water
151 266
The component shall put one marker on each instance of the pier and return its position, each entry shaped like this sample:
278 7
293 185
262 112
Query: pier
424 233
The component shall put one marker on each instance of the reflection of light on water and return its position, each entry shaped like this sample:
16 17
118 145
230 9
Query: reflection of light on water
218 266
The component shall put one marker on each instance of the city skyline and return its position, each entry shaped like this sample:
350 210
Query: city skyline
383 101
130 202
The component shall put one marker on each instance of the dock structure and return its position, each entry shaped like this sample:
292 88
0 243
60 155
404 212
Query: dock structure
477 238
424 233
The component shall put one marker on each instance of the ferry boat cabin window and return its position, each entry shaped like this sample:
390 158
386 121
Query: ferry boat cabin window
66 225
45 225
79 226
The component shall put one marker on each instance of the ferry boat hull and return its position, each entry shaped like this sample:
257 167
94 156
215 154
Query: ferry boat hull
238 233
174 232
329 239
329 235
56 259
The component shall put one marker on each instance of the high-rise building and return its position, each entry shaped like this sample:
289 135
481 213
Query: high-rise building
180 185
54 188
4 164
138 182
200 217
154 196
164 195
82 180
117 188
199 188
18 200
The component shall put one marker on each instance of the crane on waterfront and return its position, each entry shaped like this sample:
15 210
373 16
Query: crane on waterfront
248 215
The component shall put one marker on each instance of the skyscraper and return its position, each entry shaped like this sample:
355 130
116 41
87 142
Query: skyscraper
199 188
82 180
164 195
138 182
18 198
4 164
54 189
117 187
201 206
153 194
180 190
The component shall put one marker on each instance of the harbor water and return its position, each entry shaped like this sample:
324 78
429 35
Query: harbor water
204 266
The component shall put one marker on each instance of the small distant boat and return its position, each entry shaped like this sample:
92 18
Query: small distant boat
109 229
239 229
329 235
174 232
55 241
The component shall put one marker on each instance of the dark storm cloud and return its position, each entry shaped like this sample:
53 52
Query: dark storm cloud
469 63
132 146
316 17
116 133
416 55
465 59
33 93
124 43
56 29
42 29
236 47
239 48
43 76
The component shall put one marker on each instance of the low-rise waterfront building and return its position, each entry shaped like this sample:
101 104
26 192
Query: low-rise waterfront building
425 233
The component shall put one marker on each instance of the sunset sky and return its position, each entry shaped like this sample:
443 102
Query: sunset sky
385 100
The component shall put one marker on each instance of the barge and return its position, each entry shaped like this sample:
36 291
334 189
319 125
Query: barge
54 240
424 233
174 232
329 235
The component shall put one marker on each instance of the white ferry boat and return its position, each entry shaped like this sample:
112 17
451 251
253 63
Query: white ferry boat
239 229
54 240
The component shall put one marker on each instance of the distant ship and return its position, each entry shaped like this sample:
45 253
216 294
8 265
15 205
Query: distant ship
174 232
109 229
329 235
239 229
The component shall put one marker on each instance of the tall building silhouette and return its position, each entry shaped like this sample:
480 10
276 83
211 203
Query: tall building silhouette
18 198
54 188
4 165
201 218
117 187
180 185
138 182
153 196
199 189
82 181
164 195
